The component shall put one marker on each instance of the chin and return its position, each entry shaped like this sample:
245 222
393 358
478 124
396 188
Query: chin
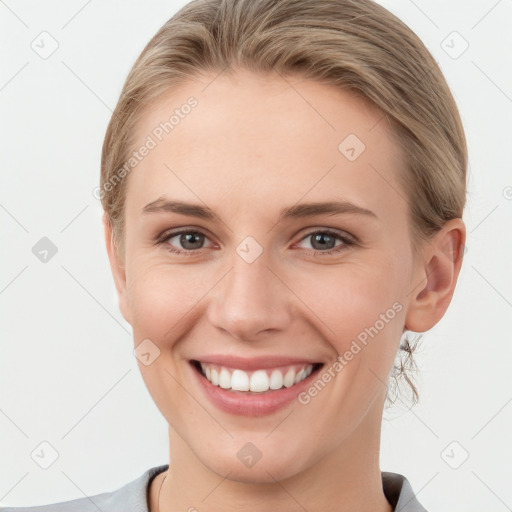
260 473
272 465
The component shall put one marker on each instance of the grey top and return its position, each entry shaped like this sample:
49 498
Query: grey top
132 497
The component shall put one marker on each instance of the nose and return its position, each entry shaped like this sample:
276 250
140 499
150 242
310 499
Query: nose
250 301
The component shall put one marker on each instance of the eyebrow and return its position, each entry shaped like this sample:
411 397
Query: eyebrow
162 205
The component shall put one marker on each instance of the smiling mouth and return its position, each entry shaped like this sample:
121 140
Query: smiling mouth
258 381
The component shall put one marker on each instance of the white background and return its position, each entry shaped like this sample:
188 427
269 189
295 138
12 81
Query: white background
68 375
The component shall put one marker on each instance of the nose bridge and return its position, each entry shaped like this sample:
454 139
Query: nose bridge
251 298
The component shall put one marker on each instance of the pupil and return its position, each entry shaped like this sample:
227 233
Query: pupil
189 238
321 239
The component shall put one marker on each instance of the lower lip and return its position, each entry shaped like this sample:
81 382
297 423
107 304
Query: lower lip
244 403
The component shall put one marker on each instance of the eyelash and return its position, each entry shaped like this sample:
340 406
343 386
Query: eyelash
347 241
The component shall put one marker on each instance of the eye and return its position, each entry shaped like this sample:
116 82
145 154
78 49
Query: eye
188 241
324 241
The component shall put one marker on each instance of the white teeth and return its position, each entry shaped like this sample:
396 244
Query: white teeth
276 380
239 381
258 381
299 376
289 379
224 378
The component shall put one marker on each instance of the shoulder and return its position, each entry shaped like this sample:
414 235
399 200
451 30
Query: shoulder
132 496
399 493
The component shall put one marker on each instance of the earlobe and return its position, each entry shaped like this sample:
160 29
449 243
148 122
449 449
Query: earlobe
437 276
117 268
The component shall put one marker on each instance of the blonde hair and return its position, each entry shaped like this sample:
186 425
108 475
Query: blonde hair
355 45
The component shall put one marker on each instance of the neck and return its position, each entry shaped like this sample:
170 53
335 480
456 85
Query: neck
346 478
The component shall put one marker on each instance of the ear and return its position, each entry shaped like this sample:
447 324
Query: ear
437 274
118 269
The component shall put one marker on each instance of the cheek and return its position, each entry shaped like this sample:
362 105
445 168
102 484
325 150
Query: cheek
352 297
363 307
164 303
164 299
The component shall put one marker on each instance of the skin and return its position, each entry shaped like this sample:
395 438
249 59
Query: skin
253 145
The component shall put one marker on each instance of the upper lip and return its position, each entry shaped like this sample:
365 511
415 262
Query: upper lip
253 363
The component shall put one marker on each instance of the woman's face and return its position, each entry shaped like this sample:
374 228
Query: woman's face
280 291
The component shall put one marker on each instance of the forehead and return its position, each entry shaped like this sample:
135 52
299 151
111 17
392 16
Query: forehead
264 140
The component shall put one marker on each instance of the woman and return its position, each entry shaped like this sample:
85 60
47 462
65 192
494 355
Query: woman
283 183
